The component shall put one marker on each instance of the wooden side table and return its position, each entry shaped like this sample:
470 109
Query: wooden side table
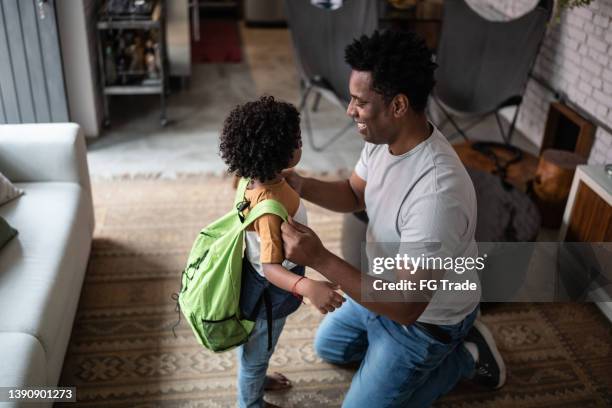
553 182
588 213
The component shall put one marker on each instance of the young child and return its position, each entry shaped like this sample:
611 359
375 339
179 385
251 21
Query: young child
258 141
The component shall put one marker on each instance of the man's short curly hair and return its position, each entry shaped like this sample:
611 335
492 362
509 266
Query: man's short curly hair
399 61
259 138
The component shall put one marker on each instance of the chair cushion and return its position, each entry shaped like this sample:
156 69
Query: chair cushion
42 269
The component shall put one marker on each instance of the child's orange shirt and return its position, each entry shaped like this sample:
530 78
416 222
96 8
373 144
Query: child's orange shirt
268 227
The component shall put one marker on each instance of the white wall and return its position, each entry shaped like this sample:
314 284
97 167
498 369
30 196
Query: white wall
575 60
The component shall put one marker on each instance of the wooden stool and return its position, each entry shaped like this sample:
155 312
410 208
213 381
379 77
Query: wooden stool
552 184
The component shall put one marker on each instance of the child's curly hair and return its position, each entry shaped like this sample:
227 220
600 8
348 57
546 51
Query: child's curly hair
259 138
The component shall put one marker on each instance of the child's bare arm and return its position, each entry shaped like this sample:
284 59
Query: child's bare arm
280 277
322 294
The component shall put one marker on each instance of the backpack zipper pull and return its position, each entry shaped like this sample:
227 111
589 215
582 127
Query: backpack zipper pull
241 206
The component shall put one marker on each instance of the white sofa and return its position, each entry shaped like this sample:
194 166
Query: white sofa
42 268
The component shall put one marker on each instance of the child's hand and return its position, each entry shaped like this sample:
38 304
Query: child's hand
322 294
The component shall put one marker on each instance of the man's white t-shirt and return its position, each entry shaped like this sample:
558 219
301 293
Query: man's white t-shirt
424 196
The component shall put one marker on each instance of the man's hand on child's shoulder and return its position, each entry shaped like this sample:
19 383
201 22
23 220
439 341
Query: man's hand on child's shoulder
301 244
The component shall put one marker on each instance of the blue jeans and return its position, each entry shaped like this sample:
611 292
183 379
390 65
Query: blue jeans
401 366
253 358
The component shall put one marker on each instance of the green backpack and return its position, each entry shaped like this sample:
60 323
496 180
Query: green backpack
210 284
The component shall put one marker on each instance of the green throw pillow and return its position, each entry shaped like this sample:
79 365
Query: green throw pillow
6 232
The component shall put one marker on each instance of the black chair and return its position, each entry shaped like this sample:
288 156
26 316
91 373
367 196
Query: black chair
319 38
484 65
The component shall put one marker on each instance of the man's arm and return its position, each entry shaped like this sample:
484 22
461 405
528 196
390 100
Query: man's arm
339 196
322 294
302 246
390 303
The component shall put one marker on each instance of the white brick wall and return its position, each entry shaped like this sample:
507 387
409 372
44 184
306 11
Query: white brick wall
575 59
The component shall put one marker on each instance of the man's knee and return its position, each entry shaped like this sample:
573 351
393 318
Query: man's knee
335 351
326 349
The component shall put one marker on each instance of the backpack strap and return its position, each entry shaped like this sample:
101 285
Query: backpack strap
240 190
268 305
264 207
268 206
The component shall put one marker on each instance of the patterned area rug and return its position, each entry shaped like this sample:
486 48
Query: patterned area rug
123 354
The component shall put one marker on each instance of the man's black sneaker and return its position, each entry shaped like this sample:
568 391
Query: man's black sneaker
490 367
